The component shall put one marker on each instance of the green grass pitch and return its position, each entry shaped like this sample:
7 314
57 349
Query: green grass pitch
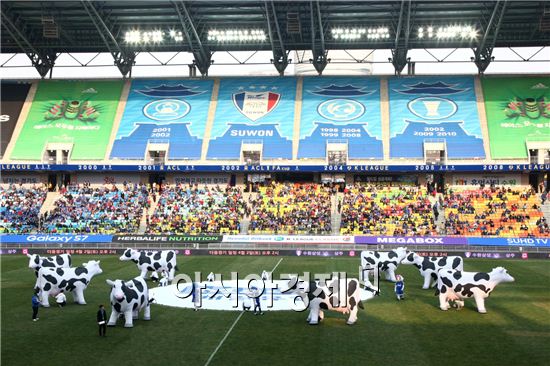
516 330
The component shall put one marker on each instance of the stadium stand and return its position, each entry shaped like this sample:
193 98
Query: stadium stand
106 210
193 210
291 208
20 208
503 212
387 210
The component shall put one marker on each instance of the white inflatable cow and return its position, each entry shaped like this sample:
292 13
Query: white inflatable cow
129 298
164 260
59 261
430 266
457 285
341 295
386 262
52 280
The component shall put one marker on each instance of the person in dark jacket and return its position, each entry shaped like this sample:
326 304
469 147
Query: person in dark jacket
102 320
35 306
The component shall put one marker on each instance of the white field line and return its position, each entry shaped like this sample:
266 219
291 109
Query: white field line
233 325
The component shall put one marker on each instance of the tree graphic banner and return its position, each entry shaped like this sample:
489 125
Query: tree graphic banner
76 112
518 110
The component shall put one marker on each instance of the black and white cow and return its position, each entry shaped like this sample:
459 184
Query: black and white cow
455 286
342 295
59 261
386 262
128 298
52 280
430 266
164 260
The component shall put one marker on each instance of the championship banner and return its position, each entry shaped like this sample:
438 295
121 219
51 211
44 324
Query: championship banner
164 111
255 111
167 238
438 109
13 97
518 110
341 110
80 113
259 169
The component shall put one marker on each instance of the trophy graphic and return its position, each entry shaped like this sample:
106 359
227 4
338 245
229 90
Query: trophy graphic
432 107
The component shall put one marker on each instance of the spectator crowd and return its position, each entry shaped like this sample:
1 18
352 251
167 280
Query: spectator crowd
107 210
20 208
291 208
385 210
275 208
188 209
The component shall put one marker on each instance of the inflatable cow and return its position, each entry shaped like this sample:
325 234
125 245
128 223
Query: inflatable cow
59 261
52 280
430 266
129 298
341 295
455 286
386 262
164 260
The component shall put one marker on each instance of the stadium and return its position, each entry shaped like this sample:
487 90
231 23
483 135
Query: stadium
313 182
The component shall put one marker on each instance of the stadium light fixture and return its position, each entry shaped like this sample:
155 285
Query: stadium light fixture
355 33
448 32
237 35
151 36
144 37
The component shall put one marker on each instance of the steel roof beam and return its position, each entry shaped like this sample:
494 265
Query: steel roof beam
318 48
402 33
203 57
280 56
483 53
42 60
124 59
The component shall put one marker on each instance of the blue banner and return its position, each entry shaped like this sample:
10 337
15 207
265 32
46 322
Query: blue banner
438 109
519 242
341 110
55 239
164 111
254 110
486 168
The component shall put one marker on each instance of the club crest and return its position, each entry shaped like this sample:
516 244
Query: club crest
256 105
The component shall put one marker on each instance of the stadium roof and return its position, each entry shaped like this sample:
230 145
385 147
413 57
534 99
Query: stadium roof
44 29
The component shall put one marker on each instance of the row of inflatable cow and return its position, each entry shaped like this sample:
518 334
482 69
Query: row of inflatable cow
55 274
446 273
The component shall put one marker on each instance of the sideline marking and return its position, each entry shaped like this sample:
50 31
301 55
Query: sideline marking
233 325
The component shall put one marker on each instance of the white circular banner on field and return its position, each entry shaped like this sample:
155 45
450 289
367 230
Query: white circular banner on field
232 295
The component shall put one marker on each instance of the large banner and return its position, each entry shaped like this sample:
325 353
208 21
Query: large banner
341 110
77 112
13 97
55 238
437 109
518 109
254 110
164 111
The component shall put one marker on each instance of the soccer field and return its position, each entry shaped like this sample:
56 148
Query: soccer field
515 331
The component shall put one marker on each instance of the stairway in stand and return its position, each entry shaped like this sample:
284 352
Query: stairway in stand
150 211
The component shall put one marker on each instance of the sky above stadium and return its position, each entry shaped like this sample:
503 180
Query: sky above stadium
342 63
